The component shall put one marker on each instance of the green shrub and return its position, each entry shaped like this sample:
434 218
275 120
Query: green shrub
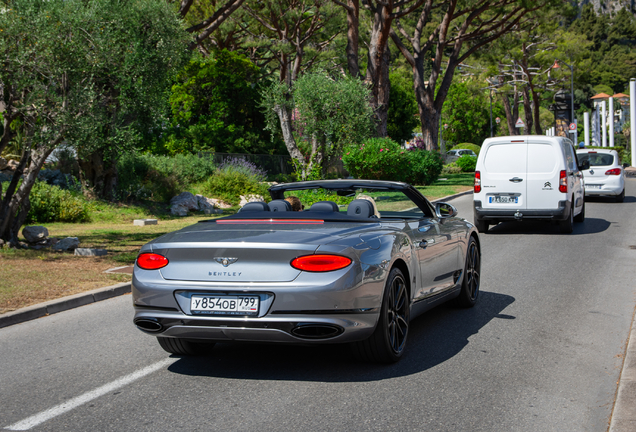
53 204
236 177
451 168
160 177
384 159
467 146
467 163
309 197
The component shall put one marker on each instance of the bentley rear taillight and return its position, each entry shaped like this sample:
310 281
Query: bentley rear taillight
613 171
563 181
477 182
320 263
151 261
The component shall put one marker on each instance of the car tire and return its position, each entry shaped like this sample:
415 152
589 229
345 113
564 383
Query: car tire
581 216
481 225
621 197
388 341
471 281
567 226
184 347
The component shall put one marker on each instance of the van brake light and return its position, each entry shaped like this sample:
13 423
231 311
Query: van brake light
563 181
477 182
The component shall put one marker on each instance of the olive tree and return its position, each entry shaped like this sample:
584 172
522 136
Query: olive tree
85 73
317 116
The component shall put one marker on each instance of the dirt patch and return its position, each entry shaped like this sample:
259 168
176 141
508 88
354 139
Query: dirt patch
28 281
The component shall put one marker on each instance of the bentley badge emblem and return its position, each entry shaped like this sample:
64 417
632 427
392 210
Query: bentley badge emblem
225 260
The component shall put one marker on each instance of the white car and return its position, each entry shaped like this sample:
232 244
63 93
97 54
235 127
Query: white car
461 152
605 176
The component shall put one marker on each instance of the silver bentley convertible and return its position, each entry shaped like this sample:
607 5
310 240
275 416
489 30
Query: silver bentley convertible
333 261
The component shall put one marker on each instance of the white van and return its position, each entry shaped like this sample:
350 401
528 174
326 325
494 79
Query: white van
528 177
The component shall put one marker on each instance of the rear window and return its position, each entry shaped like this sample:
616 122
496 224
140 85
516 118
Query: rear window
506 158
597 159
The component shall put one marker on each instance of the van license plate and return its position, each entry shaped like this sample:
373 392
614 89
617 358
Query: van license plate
504 199
224 305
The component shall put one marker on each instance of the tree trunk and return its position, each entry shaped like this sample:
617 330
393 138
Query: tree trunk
16 204
98 175
536 99
527 108
353 36
377 67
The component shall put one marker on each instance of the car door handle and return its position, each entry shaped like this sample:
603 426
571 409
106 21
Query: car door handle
516 179
423 244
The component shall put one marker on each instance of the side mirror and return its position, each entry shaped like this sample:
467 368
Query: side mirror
585 165
625 165
444 210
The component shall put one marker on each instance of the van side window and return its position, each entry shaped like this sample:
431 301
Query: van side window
570 158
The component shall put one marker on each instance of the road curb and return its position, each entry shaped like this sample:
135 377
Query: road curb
62 304
450 197
624 413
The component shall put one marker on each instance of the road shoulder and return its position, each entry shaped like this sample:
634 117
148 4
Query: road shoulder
62 304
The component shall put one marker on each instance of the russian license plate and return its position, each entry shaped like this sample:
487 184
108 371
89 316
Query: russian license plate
503 199
224 305
593 186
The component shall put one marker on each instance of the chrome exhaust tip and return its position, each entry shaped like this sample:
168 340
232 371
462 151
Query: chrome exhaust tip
148 324
316 331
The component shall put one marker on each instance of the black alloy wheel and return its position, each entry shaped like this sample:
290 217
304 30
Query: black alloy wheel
472 273
388 341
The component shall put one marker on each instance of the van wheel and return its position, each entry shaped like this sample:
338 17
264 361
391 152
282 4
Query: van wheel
481 225
621 196
581 216
567 226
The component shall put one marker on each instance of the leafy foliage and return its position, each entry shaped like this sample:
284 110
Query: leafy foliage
467 163
215 107
160 177
384 159
402 115
236 177
52 204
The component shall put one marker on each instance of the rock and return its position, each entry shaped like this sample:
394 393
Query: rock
178 210
213 211
186 200
3 163
205 203
142 222
35 234
12 165
69 243
220 204
250 198
90 252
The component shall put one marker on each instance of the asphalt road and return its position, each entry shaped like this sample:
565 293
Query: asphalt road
542 351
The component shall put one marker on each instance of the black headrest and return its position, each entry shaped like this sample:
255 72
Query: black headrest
255 206
324 206
279 205
361 208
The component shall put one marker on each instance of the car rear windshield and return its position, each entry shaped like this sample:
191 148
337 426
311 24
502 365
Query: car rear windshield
596 159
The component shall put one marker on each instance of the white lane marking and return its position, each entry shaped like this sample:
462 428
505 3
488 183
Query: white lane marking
35 420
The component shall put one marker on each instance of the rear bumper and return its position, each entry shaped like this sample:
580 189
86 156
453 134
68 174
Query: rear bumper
560 213
338 327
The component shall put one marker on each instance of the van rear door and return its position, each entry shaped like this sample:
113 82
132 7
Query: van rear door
504 175
544 160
